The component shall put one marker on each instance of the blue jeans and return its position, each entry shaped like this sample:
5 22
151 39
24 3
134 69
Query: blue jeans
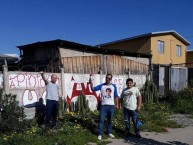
133 115
51 111
109 111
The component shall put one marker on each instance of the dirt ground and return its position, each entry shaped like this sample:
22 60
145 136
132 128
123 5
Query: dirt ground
178 136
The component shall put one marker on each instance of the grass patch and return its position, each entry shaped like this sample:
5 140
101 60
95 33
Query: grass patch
79 129
66 135
155 117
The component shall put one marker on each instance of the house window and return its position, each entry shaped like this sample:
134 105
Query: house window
178 50
160 47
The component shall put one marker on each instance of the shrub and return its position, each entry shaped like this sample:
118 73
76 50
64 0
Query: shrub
186 94
11 116
182 101
190 83
154 117
172 97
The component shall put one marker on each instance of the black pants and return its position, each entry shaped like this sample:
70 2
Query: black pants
51 111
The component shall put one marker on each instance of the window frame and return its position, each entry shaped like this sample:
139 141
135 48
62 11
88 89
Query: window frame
160 46
178 50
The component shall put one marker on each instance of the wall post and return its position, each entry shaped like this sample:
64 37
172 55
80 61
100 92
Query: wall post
6 79
62 82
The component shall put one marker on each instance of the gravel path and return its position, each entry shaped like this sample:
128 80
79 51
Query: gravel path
182 119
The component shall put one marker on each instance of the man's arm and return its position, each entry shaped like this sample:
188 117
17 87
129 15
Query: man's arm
120 102
139 102
121 99
116 97
91 84
59 92
117 102
43 77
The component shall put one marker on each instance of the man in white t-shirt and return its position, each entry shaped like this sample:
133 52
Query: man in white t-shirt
52 106
131 99
109 100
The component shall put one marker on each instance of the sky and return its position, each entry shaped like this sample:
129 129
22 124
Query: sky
90 22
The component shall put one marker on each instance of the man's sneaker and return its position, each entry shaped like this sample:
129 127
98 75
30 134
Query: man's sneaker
99 137
138 135
111 135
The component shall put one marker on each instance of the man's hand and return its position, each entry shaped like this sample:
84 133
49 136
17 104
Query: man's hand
41 72
43 77
90 81
117 106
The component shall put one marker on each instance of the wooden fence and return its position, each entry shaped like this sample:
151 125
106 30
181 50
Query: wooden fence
106 63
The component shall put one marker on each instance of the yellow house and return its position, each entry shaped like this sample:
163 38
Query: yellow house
166 47
189 58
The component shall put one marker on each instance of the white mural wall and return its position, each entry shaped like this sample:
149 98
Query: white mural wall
29 86
75 83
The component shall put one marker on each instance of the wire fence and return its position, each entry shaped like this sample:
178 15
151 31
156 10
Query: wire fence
81 69
31 68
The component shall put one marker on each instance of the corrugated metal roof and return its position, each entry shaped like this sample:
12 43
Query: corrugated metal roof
173 32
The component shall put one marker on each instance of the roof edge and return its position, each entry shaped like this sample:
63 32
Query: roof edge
150 34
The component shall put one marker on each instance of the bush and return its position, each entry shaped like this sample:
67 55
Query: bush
182 101
190 83
172 97
154 117
11 115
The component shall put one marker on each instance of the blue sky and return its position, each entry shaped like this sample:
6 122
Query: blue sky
89 22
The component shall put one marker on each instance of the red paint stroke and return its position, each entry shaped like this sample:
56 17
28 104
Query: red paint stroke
85 90
30 97
72 79
12 84
30 77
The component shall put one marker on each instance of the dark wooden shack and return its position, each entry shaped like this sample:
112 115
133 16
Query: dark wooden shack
50 56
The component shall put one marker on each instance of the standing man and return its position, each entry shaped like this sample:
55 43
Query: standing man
107 104
131 99
52 93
